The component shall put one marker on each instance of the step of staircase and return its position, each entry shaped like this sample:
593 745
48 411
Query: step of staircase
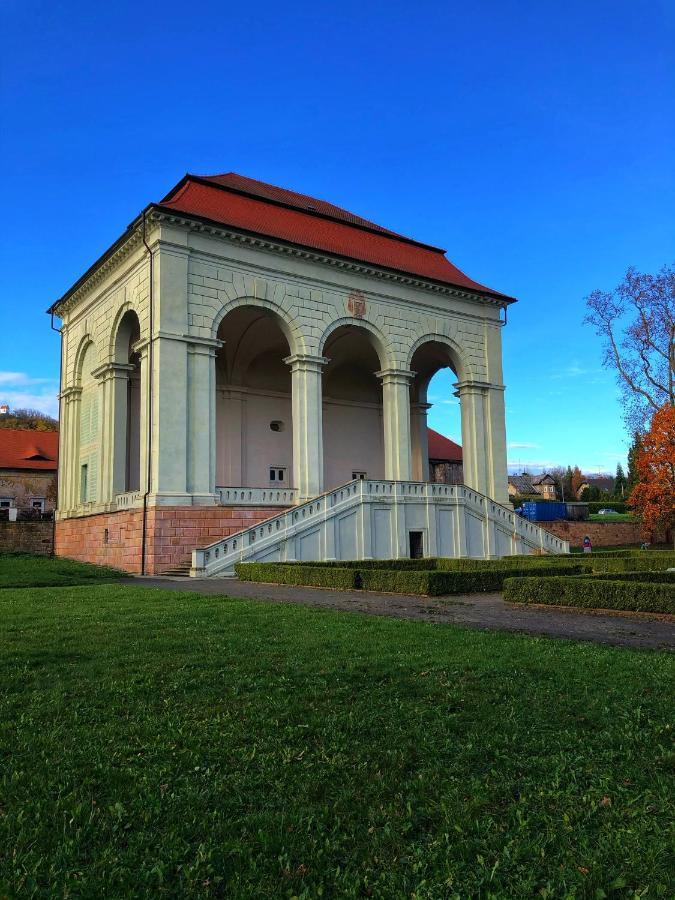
177 572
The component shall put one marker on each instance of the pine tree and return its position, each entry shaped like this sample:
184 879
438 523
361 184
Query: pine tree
620 483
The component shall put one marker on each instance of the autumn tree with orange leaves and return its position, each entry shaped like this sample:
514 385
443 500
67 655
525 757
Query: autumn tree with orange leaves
653 497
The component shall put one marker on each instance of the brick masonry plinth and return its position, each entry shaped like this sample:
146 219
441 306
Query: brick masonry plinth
602 534
172 533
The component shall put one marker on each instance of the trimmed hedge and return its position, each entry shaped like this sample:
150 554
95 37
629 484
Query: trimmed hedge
594 506
658 577
416 564
646 563
308 576
401 581
592 593
515 562
435 583
635 552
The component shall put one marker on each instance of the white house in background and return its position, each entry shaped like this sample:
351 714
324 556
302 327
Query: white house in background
245 375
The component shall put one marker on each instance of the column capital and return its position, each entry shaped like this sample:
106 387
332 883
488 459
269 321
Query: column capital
476 387
395 376
419 406
70 394
306 362
113 370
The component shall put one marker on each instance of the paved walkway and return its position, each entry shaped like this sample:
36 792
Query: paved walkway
483 611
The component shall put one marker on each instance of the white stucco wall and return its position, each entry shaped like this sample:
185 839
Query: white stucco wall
200 274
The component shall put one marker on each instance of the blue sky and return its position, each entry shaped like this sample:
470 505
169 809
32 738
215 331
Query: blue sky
535 142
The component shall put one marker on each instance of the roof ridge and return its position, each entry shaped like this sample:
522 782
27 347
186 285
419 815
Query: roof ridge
347 217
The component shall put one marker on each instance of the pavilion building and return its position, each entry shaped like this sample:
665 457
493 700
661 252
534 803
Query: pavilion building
244 376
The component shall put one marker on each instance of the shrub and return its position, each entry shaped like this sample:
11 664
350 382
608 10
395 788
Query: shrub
437 583
342 579
516 562
416 564
619 506
592 593
658 577
649 562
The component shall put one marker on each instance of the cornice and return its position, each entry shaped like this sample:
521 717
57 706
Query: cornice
273 246
130 241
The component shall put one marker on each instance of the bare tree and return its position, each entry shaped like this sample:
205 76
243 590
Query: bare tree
637 324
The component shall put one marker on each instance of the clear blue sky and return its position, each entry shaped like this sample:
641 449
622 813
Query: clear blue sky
536 142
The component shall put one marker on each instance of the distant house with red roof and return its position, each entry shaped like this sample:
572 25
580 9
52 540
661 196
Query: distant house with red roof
28 466
445 459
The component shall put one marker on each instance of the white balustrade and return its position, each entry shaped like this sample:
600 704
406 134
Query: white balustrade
276 536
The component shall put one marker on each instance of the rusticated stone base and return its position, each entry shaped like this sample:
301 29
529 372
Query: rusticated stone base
602 534
172 533
26 537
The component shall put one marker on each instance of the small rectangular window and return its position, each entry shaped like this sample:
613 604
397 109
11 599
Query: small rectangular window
273 474
360 476
38 504
280 474
5 503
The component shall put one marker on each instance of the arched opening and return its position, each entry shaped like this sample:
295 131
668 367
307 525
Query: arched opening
254 428
433 404
127 462
353 436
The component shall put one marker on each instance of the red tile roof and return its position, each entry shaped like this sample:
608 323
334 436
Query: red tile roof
442 448
21 448
263 209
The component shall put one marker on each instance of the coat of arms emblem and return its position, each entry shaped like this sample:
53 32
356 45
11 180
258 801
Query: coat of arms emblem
356 304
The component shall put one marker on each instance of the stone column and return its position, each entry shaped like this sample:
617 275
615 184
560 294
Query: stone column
114 386
419 440
306 375
396 415
70 449
201 442
142 349
483 438
169 421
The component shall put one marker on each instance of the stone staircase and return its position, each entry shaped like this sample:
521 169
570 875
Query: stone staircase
370 519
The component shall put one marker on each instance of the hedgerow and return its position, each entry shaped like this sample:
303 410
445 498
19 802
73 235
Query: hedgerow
592 593
343 579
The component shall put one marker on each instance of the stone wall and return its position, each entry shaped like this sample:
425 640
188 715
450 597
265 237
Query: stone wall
172 533
602 534
26 537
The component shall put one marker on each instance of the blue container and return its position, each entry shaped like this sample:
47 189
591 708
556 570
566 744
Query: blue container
544 510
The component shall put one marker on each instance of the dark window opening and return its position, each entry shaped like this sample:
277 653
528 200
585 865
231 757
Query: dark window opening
361 476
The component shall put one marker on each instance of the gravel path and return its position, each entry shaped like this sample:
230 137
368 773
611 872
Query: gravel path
483 611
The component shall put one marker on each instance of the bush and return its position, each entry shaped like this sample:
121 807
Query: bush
416 564
437 583
658 577
649 562
595 506
341 579
592 593
516 562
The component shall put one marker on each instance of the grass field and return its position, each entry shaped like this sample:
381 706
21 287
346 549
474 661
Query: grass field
163 744
28 570
616 517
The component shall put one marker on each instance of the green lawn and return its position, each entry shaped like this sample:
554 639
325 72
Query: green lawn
616 517
28 570
163 744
